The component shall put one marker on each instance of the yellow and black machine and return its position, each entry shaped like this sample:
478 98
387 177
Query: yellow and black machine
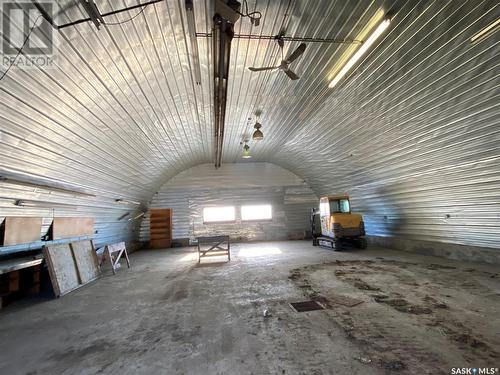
334 225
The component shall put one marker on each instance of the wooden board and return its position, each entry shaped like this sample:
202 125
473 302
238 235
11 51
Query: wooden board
116 247
114 252
19 230
86 262
7 266
65 227
160 228
62 268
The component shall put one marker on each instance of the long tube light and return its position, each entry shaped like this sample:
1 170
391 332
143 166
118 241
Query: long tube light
194 43
486 32
126 201
137 217
379 30
16 181
41 204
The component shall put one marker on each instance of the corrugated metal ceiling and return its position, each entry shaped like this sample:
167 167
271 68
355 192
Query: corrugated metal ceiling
415 127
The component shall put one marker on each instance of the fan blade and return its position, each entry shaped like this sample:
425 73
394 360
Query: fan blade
261 69
296 54
291 74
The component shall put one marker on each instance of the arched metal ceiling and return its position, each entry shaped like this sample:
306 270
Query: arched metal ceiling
413 128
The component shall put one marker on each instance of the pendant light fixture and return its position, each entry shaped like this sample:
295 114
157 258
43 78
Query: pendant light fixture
246 151
257 134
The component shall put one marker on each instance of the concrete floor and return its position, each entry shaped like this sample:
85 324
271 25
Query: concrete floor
168 315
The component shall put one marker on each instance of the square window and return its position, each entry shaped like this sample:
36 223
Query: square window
219 214
257 212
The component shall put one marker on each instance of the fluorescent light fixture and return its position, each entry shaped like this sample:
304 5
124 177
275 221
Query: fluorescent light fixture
124 216
379 30
58 189
126 201
194 43
137 216
41 204
486 32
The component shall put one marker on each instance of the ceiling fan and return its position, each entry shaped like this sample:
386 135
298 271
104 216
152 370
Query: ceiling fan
285 62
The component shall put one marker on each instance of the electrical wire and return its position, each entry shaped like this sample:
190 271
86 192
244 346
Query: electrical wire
20 49
130 19
256 15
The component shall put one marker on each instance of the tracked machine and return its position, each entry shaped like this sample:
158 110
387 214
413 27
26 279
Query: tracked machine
334 225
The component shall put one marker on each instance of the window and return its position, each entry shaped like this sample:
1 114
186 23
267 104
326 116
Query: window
258 212
344 206
341 205
218 214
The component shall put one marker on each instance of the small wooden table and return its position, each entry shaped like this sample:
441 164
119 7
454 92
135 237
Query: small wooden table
215 247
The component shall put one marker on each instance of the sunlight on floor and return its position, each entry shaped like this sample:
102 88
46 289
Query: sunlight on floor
189 257
258 251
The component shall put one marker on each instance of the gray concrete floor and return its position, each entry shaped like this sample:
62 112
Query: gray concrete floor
168 315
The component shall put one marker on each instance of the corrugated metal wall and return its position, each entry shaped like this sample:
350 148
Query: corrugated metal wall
412 134
236 185
110 225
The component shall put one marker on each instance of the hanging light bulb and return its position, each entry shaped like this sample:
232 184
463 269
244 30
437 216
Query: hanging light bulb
246 152
257 134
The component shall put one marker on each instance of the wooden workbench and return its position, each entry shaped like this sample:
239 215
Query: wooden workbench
11 286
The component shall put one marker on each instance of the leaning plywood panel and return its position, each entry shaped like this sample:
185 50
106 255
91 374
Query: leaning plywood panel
62 269
19 230
65 227
85 257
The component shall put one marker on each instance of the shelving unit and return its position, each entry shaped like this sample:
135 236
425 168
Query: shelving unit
160 224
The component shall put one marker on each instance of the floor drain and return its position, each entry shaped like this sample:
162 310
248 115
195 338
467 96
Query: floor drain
306 306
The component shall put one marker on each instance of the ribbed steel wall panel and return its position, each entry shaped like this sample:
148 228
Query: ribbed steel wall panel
236 184
412 134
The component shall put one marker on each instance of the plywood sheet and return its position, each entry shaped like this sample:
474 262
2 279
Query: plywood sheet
65 227
19 230
62 269
85 260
